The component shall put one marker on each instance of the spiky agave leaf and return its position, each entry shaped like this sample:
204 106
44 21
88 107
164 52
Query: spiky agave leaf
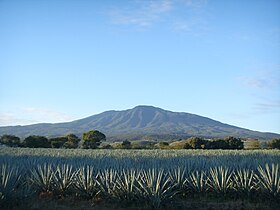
107 182
244 181
64 178
85 182
42 177
219 180
178 177
9 182
269 179
127 187
197 182
156 187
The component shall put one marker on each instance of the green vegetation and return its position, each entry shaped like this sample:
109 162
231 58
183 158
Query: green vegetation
58 142
72 141
150 178
177 171
95 140
69 141
126 144
226 143
274 144
10 140
92 139
36 142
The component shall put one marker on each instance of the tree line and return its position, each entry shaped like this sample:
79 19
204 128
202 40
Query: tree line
93 139
221 143
196 143
226 143
90 140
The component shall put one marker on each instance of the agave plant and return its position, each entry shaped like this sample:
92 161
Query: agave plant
219 180
9 182
85 182
63 179
244 181
156 187
42 178
107 182
178 177
197 182
269 179
127 185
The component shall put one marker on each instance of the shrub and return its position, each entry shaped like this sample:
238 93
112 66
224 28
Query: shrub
126 144
58 142
196 143
92 139
274 144
234 143
10 140
37 142
163 145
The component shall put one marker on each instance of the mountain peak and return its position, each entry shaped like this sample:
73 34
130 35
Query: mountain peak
145 107
140 120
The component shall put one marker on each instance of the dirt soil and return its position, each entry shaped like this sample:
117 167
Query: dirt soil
184 204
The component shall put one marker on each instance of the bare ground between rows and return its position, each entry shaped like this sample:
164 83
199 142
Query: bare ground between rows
188 203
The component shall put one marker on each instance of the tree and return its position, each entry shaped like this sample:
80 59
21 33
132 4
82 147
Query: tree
234 143
217 144
72 141
186 146
107 146
36 142
274 144
126 144
196 143
58 142
10 140
92 139
163 145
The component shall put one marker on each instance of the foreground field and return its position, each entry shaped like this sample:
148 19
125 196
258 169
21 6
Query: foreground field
139 179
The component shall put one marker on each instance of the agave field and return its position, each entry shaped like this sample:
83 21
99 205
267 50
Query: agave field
150 178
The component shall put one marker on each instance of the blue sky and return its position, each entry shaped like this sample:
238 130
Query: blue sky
64 60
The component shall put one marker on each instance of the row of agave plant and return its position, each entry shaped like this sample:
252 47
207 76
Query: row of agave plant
154 186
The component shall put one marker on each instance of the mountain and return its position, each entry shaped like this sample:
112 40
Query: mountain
141 122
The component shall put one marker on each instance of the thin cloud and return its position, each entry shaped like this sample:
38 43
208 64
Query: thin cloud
31 115
266 78
142 13
255 82
264 86
260 108
147 13
268 107
195 4
7 119
194 26
46 114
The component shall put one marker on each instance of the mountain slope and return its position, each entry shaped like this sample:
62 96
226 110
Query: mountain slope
138 122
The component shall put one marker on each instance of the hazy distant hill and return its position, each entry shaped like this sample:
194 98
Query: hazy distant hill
140 122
